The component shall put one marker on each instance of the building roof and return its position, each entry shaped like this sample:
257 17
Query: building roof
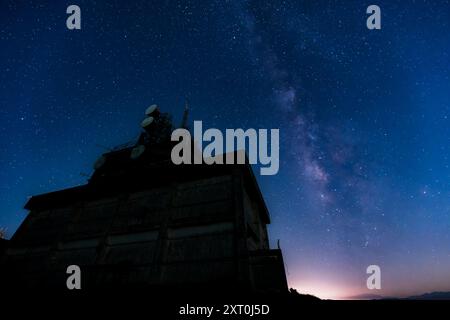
121 174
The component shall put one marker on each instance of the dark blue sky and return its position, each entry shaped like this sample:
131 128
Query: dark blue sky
363 116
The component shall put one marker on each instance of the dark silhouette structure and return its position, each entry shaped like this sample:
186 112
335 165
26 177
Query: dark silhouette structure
3 245
142 222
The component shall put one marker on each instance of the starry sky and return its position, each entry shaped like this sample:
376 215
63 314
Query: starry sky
363 116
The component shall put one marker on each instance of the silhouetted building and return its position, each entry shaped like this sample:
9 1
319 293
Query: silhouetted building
3 245
142 221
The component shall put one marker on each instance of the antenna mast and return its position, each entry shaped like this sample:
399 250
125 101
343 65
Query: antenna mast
185 114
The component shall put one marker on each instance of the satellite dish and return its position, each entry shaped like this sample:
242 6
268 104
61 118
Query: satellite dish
99 163
136 152
146 122
151 109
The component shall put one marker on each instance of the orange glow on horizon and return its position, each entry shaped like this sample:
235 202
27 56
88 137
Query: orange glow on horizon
324 290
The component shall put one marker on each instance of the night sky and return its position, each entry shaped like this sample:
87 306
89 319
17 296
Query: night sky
364 117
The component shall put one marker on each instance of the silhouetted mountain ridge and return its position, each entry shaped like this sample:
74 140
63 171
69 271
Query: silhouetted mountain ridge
437 295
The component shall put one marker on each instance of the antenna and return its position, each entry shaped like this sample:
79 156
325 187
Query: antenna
152 112
146 122
137 151
185 114
151 109
100 162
